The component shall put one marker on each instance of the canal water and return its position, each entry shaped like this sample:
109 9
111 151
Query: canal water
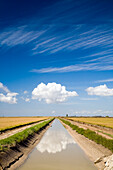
57 150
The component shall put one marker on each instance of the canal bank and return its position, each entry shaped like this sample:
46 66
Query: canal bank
96 152
16 155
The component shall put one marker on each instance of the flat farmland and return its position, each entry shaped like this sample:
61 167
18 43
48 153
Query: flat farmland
10 122
102 121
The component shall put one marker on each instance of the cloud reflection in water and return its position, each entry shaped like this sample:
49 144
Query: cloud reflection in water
54 141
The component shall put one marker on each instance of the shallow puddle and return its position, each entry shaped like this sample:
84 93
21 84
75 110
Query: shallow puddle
57 150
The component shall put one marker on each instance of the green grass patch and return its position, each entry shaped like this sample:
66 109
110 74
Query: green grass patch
107 143
21 136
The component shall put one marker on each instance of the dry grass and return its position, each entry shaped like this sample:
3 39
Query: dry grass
9 122
107 122
12 141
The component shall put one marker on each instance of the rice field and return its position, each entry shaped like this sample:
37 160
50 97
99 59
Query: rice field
21 136
10 122
102 121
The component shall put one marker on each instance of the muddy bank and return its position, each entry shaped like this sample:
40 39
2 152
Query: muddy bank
97 153
15 156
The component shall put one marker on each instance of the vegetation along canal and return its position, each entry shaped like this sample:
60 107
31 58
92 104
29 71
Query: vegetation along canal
57 150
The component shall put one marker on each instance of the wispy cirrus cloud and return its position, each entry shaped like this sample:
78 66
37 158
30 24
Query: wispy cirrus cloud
78 67
79 38
101 53
49 35
50 39
89 99
14 36
104 81
94 113
72 27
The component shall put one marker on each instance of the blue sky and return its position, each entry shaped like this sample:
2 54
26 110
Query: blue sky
64 43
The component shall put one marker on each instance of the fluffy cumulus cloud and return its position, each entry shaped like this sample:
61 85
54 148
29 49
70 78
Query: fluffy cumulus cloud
101 90
52 93
9 97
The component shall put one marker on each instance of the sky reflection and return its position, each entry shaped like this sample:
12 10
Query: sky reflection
55 141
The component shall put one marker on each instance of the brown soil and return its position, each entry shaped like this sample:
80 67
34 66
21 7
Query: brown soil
15 156
94 151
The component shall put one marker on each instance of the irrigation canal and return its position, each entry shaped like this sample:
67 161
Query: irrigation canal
57 150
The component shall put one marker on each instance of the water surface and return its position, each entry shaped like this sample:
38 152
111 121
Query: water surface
57 150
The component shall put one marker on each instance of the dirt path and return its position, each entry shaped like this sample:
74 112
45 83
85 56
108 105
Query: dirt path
94 151
99 130
14 131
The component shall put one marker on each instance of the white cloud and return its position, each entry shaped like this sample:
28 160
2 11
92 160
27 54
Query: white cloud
27 100
106 80
13 36
101 90
52 93
54 141
89 99
98 66
4 88
9 97
98 112
25 92
92 37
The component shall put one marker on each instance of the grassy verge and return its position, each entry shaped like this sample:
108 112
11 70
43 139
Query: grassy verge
107 143
20 125
21 136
